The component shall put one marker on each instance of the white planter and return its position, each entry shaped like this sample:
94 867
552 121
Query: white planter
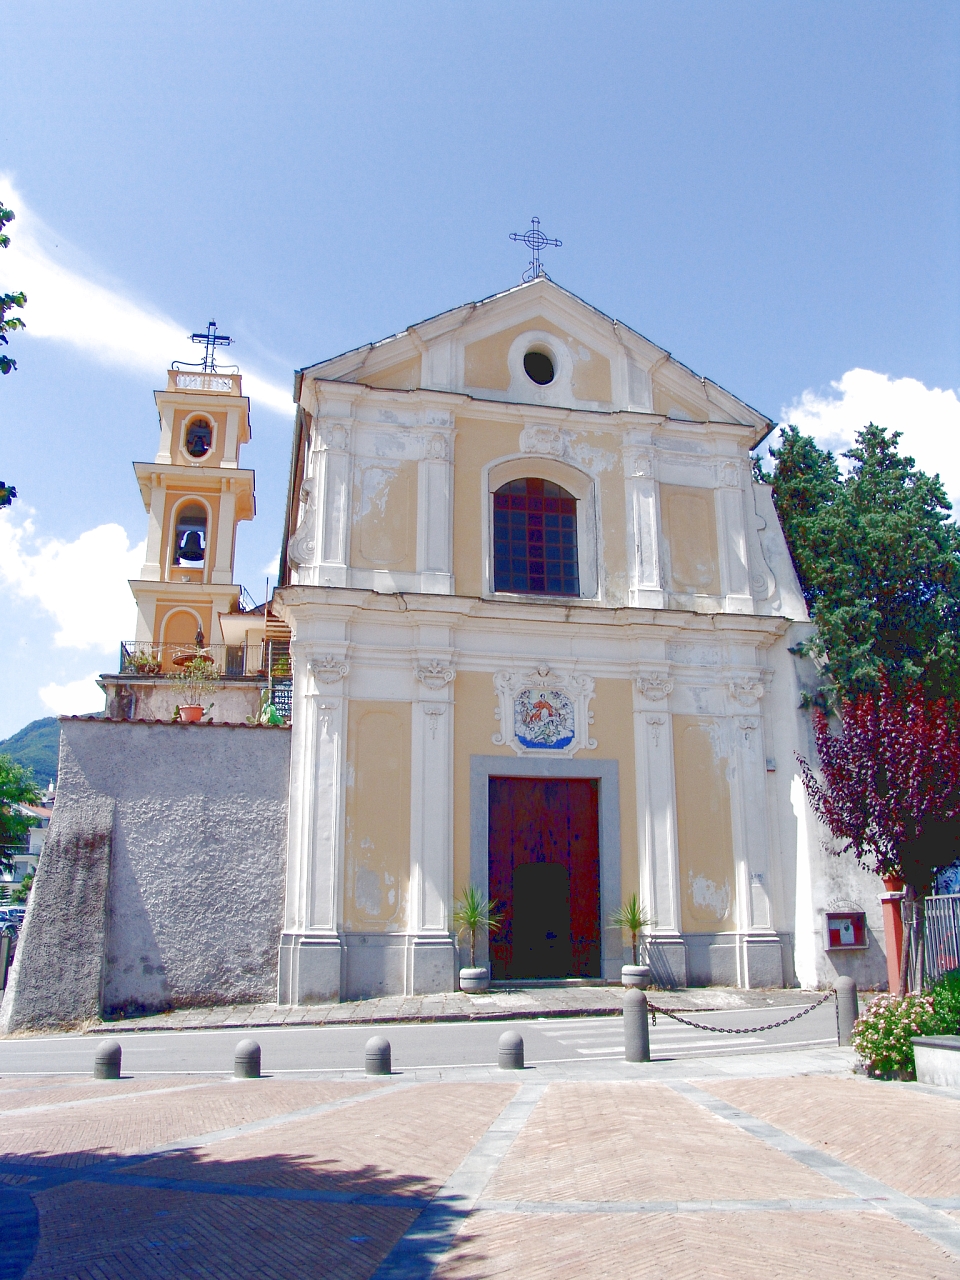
474 979
635 975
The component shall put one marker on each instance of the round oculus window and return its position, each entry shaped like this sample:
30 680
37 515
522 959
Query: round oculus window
199 438
538 367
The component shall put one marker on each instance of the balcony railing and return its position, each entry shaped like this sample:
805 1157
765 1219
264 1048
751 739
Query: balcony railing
268 659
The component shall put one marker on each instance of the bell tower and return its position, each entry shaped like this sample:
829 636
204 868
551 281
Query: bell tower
195 493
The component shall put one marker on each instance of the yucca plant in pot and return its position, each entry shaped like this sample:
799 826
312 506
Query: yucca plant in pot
472 914
195 679
633 918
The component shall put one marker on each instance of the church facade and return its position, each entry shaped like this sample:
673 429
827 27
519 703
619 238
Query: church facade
541 623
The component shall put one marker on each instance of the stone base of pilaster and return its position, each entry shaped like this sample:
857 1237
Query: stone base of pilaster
761 960
431 964
310 968
668 960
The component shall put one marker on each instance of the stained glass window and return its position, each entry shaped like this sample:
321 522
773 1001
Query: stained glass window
535 539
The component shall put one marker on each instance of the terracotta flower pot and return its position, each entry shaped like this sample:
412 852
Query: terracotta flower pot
191 715
893 884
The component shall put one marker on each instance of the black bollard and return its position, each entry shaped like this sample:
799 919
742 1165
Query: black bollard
510 1051
106 1064
848 1008
246 1060
376 1056
636 1026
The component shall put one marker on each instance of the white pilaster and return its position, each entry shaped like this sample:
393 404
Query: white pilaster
657 825
431 955
760 960
150 571
309 970
732 532
435 514
222 571
643 539
230 449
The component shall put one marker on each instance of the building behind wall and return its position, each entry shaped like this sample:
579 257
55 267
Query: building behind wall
542 621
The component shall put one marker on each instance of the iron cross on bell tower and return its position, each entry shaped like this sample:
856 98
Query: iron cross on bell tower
211 340
535 240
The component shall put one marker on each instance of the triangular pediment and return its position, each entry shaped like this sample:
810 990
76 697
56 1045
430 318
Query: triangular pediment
598 364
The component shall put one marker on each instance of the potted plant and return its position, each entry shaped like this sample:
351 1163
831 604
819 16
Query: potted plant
633 918
473 913
195 679
144 663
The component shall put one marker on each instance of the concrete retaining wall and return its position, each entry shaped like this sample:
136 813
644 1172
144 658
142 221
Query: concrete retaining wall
162 880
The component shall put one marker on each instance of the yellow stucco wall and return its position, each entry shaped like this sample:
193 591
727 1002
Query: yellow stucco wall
690 528
485 361
377 827
473 728
704 827
613 729
477 444
404 376
384 534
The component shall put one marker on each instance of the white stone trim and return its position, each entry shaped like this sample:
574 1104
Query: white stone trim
570 477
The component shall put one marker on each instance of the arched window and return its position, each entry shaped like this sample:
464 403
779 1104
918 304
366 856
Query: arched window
190 545
535 539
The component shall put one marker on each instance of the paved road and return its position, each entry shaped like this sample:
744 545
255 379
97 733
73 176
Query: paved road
335 1049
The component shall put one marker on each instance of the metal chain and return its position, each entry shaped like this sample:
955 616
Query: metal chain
736 1031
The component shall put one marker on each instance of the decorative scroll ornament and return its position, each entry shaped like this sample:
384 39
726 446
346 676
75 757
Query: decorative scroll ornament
332 435
748 725
435 675
545 441
656 724
746 690
655 687
436 446
543 712
433 711
328 669
730 475
303 544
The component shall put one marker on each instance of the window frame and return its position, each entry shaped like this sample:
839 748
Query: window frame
577 483
202 565
188 459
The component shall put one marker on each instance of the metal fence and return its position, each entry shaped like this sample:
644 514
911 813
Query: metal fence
941 935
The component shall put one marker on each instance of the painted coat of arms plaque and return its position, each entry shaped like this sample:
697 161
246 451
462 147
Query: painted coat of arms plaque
544 711
543 718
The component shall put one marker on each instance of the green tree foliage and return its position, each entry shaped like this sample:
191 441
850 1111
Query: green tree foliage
878 558
16 787
37 748
21 892
8 301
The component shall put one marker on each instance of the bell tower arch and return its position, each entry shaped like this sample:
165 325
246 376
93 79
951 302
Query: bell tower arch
195 493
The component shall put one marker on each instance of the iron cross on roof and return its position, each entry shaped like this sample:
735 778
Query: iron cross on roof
212 340
535 240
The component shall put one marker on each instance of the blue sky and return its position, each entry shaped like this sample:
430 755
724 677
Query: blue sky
769 190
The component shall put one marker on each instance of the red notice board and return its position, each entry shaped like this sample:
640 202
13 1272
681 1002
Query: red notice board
846 930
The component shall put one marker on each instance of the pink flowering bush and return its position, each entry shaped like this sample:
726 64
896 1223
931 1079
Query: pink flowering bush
882 1033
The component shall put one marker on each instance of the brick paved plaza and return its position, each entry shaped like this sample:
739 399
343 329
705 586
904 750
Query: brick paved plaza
513 1174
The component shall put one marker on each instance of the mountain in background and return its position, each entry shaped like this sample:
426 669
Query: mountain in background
36 747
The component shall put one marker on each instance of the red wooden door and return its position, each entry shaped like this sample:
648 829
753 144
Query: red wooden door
544 851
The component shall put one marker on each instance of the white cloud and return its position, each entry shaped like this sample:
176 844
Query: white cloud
82 584
273 568
929 418
65 305
78 698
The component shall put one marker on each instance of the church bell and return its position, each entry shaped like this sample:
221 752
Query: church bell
190 548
